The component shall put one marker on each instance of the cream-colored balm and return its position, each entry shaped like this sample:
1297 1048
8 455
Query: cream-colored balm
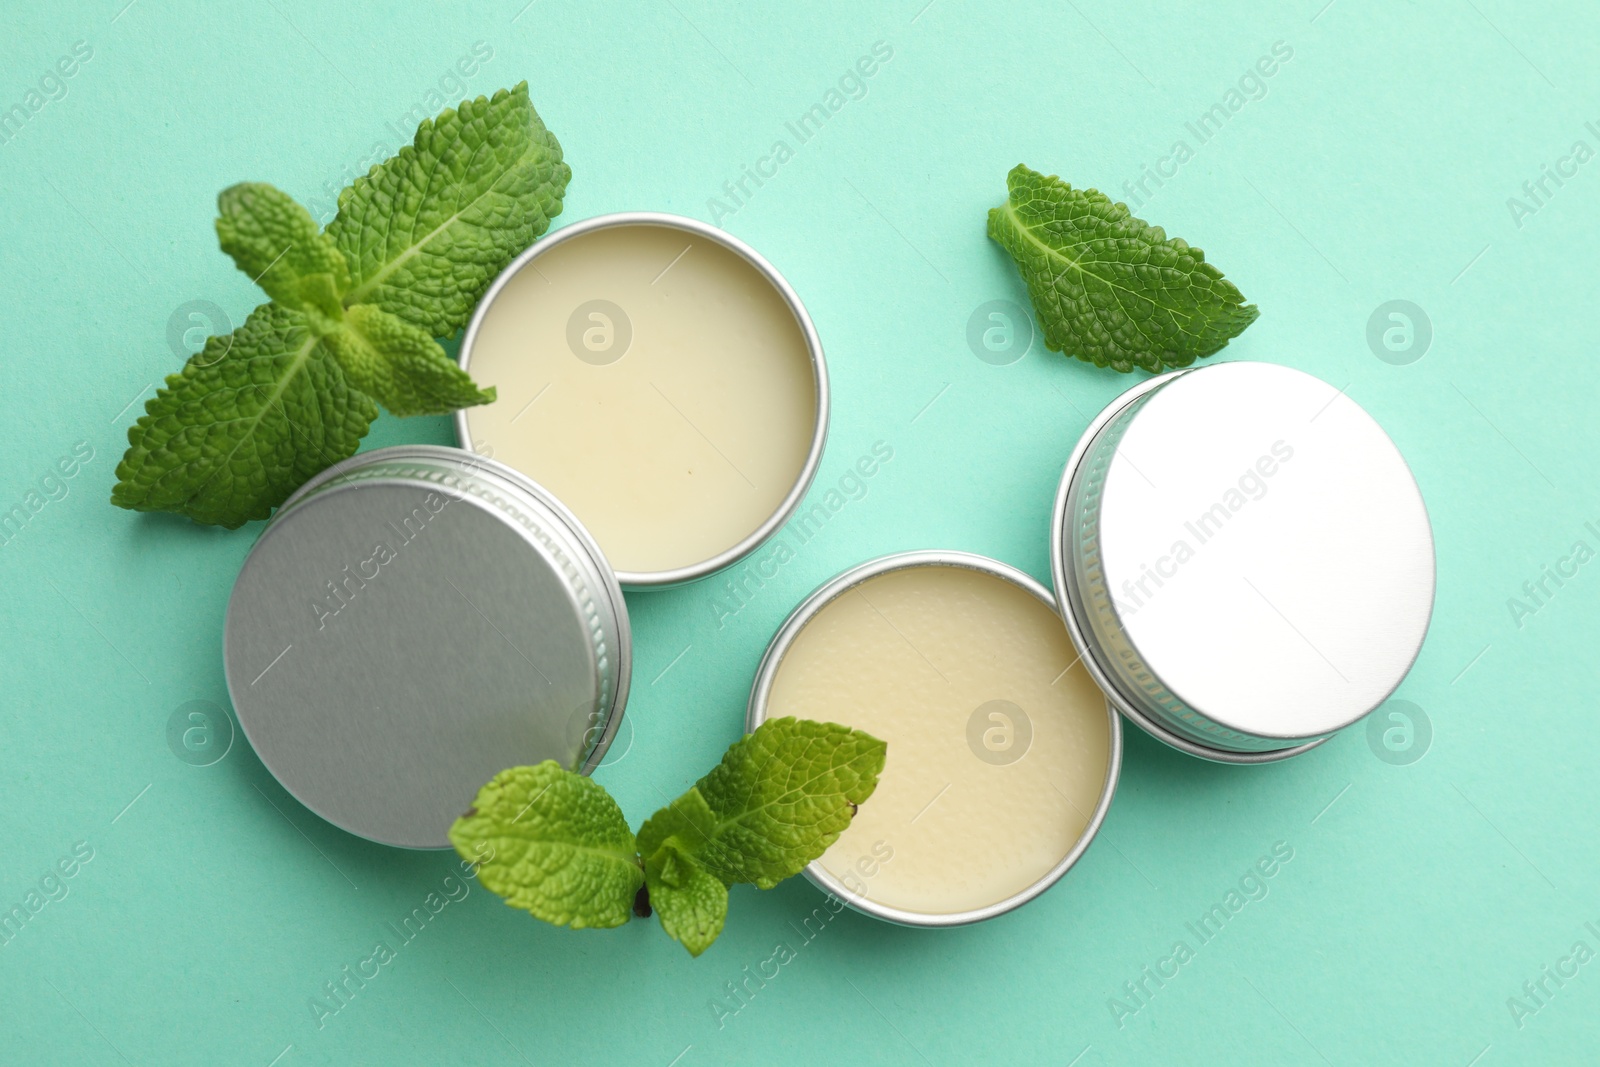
999 742
656 382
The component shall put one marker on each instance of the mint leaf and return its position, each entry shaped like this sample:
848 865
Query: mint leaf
1110 288
687 822
778 799
400 365
691 901
427 231
559 847
251 417
276 242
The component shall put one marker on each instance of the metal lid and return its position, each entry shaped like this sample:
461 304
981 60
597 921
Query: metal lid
1245 559
413 621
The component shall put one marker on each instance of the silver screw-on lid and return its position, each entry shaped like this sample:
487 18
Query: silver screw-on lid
1245 557
413 621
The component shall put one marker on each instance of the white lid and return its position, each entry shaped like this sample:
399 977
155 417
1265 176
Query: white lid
1266 551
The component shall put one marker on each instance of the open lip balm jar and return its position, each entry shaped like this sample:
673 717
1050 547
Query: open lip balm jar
411 622
1003 755
1244 558
661 379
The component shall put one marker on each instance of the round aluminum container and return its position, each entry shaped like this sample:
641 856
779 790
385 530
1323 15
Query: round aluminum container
767 674
640 580
413 621
1244 559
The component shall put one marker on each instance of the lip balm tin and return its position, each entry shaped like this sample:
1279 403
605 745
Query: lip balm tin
694 230
1244 559
766 676
411 622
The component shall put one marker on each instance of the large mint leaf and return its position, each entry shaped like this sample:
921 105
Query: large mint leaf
252 415
691 902
401 365
276 242
778 799
1110 288
559 846
427 231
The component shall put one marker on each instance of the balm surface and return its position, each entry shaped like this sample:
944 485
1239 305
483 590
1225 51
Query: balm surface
999 743
656 382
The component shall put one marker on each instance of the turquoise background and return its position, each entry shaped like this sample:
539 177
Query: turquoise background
1377 166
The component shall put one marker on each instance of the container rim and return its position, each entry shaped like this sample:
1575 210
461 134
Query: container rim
766 674
641 580
1072 610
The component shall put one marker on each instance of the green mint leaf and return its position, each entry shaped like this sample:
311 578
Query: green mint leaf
277 243
559 847
427 231
691 902
687 822
400 365
1109 288
778 799
251 416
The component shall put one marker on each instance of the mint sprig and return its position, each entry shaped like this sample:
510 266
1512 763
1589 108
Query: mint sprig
353 317
777 800
1110 288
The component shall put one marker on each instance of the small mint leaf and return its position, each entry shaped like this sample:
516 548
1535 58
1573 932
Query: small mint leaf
252 416
687 821
691 901
559 847
1109 288
426 231
400 365
276 242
